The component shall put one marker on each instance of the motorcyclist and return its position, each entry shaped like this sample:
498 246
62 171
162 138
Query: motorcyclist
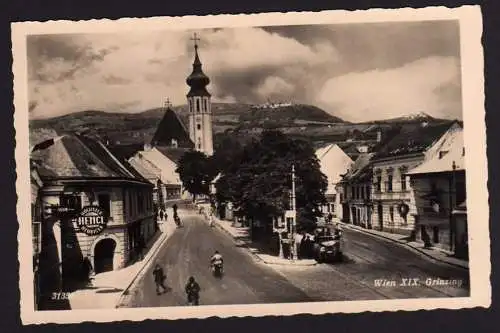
193 291
216 259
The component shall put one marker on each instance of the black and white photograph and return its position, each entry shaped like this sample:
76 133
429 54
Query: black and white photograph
265 164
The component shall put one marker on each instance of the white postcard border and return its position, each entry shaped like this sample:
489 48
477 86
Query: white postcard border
474 137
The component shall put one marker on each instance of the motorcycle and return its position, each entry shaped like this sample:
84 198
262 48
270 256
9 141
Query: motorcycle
217 270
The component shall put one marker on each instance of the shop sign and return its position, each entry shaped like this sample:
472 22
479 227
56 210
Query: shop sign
91 220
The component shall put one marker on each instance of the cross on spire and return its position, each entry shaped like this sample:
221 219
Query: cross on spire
195 39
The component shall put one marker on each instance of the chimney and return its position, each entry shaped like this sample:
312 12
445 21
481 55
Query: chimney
147 147
379 136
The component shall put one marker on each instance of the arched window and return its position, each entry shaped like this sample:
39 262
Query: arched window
197 105
205 104
190 105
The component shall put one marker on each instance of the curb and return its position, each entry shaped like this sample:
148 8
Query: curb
259 258
420 251
146 265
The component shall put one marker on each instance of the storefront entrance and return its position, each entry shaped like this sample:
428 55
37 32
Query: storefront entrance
103 255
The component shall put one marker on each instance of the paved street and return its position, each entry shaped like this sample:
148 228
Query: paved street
370 259
187 253
248 281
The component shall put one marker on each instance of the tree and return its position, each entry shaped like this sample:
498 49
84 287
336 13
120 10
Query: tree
196 173
258 181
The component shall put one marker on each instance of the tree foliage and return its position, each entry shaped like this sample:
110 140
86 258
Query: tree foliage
196 172
258 179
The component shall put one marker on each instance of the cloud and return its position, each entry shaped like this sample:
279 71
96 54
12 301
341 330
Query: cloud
273 87
323 65
431 85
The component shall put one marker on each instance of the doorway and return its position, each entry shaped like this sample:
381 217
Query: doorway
103 255
380 210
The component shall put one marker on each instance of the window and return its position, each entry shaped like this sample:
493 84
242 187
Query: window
389 183
368 192
190 105
205 102
379 183
198 126
197 105
104 202
71 201
391 213
403 182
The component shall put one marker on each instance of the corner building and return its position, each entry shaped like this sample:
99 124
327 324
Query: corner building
78 173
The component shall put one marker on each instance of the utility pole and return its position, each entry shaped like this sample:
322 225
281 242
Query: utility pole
294 210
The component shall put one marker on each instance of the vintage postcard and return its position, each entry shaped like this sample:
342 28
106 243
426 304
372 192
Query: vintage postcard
251 165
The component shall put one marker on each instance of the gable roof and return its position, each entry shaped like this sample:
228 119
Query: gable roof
172 153
413 139
360 168
171 127
333 162
77 156
164 167
444 161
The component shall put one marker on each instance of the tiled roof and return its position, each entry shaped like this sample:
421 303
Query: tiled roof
124 152
452 155
360 168
174 154
413 139
77 156
171 127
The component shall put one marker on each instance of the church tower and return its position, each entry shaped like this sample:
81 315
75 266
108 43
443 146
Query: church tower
200 110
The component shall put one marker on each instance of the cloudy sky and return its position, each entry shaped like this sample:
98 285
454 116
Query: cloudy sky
354 71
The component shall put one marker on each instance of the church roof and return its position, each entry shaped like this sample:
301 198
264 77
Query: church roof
197 80
171 128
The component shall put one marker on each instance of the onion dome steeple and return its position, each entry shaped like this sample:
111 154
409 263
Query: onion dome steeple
197 80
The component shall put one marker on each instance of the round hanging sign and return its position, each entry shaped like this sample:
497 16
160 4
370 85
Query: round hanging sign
403 209
91 220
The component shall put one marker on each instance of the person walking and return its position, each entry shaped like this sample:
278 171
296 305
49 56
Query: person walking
159 277
193 291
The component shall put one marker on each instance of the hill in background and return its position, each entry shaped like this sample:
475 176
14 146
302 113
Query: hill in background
132 128
240 121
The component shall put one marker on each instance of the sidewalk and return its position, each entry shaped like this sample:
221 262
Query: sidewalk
242 238
434 253
109 287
